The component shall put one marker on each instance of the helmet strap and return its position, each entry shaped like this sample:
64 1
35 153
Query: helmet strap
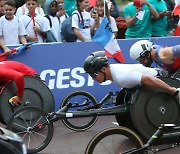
149 61
104 75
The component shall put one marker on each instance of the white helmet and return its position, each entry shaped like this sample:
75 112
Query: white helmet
140 49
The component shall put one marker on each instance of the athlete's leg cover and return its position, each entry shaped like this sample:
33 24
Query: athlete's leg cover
176 51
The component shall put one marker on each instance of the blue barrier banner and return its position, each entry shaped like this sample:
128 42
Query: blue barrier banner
61 65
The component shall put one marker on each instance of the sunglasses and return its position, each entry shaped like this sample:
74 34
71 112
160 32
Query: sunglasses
93 75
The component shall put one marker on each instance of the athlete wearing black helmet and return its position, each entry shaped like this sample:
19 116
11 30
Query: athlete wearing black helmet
124 75
95 62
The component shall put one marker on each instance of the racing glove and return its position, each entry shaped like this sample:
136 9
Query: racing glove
15 101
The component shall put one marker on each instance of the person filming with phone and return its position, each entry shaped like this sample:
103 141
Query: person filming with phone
61 11
160 25
138 17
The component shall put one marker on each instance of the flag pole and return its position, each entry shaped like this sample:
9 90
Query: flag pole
104 8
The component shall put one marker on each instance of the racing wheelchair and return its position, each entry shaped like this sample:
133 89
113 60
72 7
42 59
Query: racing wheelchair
33 93
143 105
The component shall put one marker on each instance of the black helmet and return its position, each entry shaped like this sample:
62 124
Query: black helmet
11 143
95 61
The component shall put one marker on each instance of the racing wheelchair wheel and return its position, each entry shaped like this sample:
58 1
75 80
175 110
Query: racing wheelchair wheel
81 101
36 93
124 97
114 140
33 126
152 107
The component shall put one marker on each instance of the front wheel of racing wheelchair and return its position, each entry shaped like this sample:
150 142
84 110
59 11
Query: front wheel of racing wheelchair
33 126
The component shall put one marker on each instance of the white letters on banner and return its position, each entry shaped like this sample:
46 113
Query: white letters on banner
67 77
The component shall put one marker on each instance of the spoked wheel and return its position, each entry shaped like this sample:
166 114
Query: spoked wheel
114 141
36 93
32 125
81 101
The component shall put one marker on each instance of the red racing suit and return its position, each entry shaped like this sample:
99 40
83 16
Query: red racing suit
12 70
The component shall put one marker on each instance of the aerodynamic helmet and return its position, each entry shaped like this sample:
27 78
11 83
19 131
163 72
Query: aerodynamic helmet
95 61
140 49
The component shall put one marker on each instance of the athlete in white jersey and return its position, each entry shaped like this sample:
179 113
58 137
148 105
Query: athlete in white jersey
124 75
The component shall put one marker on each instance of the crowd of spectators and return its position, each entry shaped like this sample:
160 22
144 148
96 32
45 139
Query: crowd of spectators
31 22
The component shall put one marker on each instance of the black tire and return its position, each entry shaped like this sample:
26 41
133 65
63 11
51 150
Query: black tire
151 107
125 118
36 93
77 98
27 118
113 140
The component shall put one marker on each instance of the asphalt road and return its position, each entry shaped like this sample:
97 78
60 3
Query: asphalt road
66 141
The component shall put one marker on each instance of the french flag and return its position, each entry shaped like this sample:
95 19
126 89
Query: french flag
177 8
105 37
177 30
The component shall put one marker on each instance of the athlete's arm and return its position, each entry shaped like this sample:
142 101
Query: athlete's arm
9 74
169 54
157 83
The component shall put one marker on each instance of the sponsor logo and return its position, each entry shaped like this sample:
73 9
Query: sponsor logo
67 78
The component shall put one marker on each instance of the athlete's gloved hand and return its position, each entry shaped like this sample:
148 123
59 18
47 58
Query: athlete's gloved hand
177 95
15 101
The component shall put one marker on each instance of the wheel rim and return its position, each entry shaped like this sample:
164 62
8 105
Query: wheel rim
166 111
22 123
82 123
113 141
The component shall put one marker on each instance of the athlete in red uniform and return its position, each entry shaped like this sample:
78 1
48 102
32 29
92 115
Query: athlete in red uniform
12 70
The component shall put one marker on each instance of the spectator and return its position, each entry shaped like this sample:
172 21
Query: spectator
62 15
70 6
125 75
12 30
24 10
114 9
36 25
172 20
139 19
81 21
51 9
11 70
19 3
159 26
2 7
167 57
99 16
